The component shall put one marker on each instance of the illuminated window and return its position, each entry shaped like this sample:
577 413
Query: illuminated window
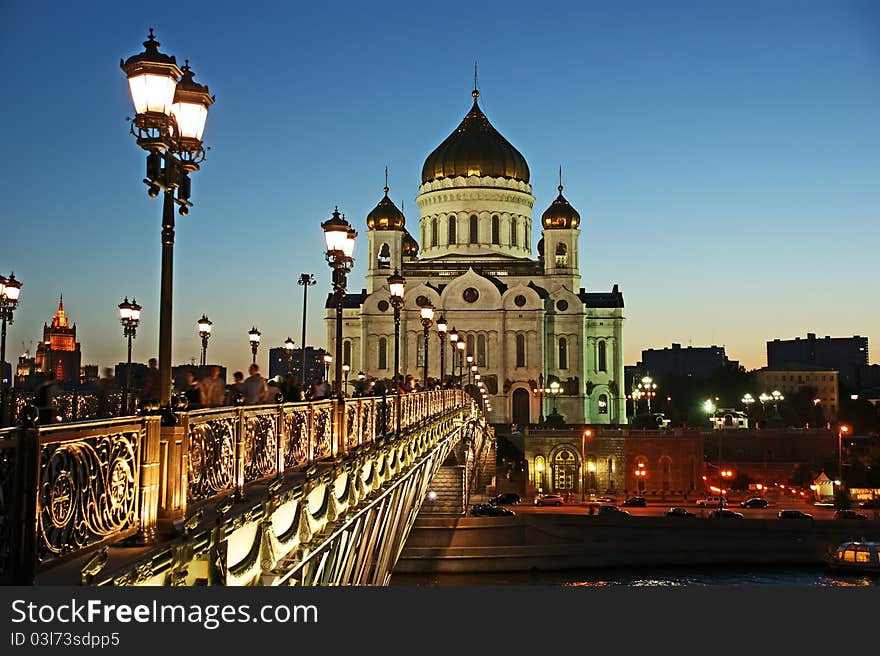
561 255
603 404
481 350
563 353
383 353
384 257
346 352
472 236
496 230
602 366
451 230
471 343
520 350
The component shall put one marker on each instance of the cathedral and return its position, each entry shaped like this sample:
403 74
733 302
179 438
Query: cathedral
526 322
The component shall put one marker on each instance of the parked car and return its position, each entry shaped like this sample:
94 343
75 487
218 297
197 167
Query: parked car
678 511
606 499
870 503
724 513
488 510
849 514
794 514
550 499
505 498
755 502
636 502
612 511
712 501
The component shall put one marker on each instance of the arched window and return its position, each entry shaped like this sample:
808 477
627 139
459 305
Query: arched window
383 354
481 350
471 343
496 230
434 231
346 352
520 350
603 404
563 353
514 228
424 233
561 255
451 239
384 257
601 364
472 235
540 466
665 473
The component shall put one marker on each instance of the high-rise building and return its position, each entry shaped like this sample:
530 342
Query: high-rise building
59 351
847 355
695 361
282 362
526 320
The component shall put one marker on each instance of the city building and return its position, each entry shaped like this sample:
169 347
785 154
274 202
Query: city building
846 355
88 374
694 361
526 320
790 378
27 366
59 351
282 362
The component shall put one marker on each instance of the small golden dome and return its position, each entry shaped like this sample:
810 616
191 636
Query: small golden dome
385 216
560 214
410 246
475 148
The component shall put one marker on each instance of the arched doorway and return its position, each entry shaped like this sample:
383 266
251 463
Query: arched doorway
520 412
565 469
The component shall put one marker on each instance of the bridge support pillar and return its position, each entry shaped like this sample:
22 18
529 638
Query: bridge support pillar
173 472
150 473
340 426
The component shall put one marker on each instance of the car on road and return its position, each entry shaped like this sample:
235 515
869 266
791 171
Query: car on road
849 514
636 502
612 511
755 502
678 511
824 504
712 501
870 503
793 514
505 498
606 499
488 510
550 499
724 513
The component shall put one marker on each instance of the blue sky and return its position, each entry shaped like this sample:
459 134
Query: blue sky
724 157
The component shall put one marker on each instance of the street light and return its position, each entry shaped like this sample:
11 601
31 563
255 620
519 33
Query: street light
747 401
254 339
554 391
288 348
442 327
129 317
327 360
460 346
10 290
397 287
453 342
204 325
648 389
470 360
777 397
427 318
305 280
841 431
339 237
587 434
170 114
345 369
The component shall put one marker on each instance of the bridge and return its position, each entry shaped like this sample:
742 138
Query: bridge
320 493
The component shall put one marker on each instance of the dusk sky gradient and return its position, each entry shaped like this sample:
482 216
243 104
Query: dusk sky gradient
724 158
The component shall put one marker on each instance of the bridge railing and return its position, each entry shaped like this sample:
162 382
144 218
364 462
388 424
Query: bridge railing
67 488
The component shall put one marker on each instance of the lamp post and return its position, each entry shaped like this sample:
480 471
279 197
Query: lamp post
339 237
460 346
129 317
305 280
453 345
841 431
442 327
345 369
554 391
427 319
288 349
254 339
588 433
10 290
170 114
470 361
204 325
397 287
327 360
648 389
776 396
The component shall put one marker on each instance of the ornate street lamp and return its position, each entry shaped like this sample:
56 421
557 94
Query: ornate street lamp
453 344
648 389
327 360
288 349
204 325
460 346
427 318
129 317
397 287
442 327
554 390
345 369
339 237
254 340
170 114
776 397
10 290
305 280
470 361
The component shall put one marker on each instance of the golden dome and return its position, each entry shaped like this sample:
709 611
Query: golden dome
385 216
560 214
410 246
475 148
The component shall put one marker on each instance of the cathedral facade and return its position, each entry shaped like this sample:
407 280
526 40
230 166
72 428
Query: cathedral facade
526 321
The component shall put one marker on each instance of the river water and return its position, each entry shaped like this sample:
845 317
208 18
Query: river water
664 577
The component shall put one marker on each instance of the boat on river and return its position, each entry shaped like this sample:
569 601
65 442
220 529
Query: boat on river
855 556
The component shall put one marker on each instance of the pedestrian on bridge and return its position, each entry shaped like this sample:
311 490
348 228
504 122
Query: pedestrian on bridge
211 389
254 388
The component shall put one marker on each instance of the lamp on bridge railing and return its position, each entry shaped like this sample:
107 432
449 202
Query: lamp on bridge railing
470 361
204 326
339 237
427 319
254 340
345 369
442 328
10 289
305 281
288 349
170 114
129 317
327 360
453 345
460 346
397 287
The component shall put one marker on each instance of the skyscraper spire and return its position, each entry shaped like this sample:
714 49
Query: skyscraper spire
560 179
475 93
386 179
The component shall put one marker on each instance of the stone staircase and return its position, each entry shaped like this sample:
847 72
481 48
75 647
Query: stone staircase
446 492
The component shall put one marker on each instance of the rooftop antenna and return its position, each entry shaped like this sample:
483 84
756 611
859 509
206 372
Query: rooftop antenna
560 179
475 93
386 179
